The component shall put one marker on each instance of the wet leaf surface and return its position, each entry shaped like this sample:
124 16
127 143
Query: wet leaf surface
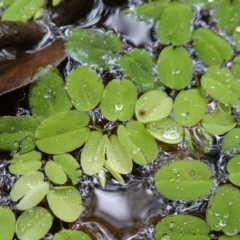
70 235
233 168
7 223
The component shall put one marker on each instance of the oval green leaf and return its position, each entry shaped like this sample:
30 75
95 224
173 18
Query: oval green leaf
231 142
7 223
233 168
71 235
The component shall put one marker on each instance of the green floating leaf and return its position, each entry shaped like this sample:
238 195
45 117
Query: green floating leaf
47 95
166 130
55 172
71 235
236 36
221 85
175 67
30 188
139 67
119 99
22 10
7 223
223 107
33 224
117 156
231 142
6 3
223 210
189 107
174 25
93 153
140 145
227 14
218 123
114 173
200 4
17 133
184 180
237 237
211 48
24 163
85 88
65 202
236 67
233 168
152 106
56 2
63 132
182 227
93 48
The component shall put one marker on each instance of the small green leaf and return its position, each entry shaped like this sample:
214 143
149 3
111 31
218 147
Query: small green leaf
237 237
117 156
30 188
140 145
47 94
175 67
153 106
189 107
56 2
55 172
233 168
7 223
114 173
85 88
102 178
174 25
71 235
24 163
93 153
63 132
22 10
65 202
211 48
182 227
166 130
223 210
93 47
33 224
119 99
231 142
184 180
236 36
223 107
236 67
140 68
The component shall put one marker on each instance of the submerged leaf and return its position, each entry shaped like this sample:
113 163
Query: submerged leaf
233 168
231 142
71 235
7 223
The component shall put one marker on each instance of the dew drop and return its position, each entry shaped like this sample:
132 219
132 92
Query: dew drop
118 107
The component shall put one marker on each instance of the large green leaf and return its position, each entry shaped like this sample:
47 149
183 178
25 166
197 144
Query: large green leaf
189 107
71 235
231 142
211 48
63 132
174 25
119 99
233 168
85 88
47 95
140 145
175 67
93 47
7 223
152 106
184 180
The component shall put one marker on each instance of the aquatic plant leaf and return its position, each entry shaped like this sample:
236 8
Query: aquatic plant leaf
236 36
223 107
235 68
174 25
184 180
17 133
166 130
175 67
47 94
65 202
22 10
30 188
218 123
85 88
227 14
233 168
139 67
63 132
93 48
117 156
140 145
55 172
182 227
119 99
152 106
220 84
236 237
223 210
71 235
93 153
211 48
102 178
114 173
56 2
200 4
24 163
189 107
6 3
7 223
231 142
33 224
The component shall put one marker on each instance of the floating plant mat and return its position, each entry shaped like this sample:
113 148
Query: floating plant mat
165 114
